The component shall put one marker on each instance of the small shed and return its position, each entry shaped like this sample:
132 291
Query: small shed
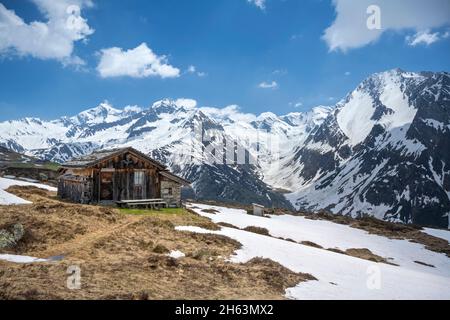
107 176
258 210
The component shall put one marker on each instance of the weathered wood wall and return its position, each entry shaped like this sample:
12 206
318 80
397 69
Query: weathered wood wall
118 174
75 188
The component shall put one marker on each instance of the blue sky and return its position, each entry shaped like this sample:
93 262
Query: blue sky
263 56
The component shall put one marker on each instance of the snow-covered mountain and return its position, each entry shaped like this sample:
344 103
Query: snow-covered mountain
382 151
188 139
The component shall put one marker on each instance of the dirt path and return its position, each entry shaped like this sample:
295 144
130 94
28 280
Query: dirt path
84 241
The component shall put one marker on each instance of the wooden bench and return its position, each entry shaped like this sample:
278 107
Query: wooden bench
144 203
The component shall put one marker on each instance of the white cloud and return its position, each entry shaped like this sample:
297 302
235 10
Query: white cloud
424 37
347 73
140 62
259 3
132 109
296 36
230 112
349 30
297 104
186 103
280 72
268 85
193 70
53 39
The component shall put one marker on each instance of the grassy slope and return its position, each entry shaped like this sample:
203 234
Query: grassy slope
9 158
123 255
47 165
164 211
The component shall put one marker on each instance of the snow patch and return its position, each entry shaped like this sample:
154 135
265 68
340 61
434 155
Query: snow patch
339 276
331 235
10 199
354 118
20 259
438 233
176 254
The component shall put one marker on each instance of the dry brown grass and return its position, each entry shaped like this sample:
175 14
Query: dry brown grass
365 254
49 222
311 244
118 260
211 211
258 230
227 225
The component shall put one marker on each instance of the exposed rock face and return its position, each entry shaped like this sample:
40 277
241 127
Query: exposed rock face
385 151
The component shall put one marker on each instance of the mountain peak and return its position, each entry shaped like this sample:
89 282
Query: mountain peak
268 116
103 107
162 103
390 100
104 112
398 75
169 105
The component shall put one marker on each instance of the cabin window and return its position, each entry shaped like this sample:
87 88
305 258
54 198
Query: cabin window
169 191
139 178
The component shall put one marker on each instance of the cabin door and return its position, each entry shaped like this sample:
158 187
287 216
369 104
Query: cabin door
139 185
106 186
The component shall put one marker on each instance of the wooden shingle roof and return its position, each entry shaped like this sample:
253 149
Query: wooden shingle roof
101 155
175 178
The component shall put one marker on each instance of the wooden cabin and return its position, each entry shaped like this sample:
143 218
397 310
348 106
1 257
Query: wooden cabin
109 176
